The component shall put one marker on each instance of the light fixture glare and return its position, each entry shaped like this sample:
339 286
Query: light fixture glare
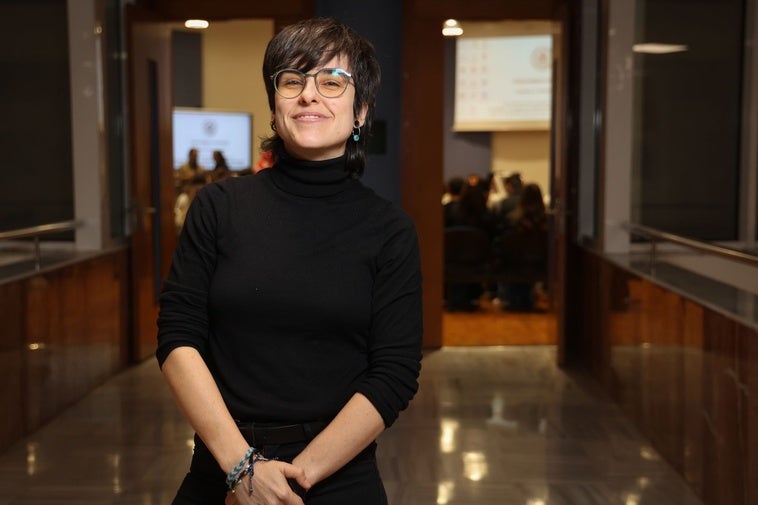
657 48
451 28
198 24
452 32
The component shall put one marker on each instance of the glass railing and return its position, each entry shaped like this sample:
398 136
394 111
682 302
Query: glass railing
15 246
721 277
655 236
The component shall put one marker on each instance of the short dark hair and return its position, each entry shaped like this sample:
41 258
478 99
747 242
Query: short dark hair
305 45
515 180
455 185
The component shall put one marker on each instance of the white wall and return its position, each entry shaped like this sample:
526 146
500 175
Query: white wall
615 182
85 28
526 152
232 61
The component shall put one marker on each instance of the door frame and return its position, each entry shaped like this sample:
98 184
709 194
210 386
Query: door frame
152 238
422 151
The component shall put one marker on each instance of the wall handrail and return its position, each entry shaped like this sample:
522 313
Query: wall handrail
36 231
42 229
698 245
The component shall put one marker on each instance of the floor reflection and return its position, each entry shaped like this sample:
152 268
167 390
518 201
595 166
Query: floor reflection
490 425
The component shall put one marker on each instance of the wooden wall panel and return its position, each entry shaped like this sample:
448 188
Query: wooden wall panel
684 373
747 355
721 411
64 332
422 155
12 365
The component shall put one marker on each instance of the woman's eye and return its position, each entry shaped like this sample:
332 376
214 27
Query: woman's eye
331 83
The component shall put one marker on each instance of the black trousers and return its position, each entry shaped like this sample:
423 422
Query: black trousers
358 482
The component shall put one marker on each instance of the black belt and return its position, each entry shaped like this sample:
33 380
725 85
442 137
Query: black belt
260 434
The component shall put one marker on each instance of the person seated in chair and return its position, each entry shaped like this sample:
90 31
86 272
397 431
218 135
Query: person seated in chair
527 226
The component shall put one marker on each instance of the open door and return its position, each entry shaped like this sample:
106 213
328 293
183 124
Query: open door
563 180
152 184
558 183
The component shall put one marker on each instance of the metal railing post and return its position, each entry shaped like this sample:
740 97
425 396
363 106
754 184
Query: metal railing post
37 254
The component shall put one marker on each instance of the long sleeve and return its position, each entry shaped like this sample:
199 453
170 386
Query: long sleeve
396 326
183 317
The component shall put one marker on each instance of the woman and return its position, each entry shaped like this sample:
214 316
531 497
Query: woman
529 214
524 246
191 175
221 169
290 323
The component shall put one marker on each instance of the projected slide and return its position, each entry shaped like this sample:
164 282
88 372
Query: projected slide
503 83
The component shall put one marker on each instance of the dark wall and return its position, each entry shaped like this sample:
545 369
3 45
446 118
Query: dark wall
187 68
379 22
689 113
36 126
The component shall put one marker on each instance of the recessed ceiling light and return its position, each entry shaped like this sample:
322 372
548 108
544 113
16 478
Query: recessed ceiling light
198 24
451 28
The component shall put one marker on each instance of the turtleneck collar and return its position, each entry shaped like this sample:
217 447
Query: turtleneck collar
310 178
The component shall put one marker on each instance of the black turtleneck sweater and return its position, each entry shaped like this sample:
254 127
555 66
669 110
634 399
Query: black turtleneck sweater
299 286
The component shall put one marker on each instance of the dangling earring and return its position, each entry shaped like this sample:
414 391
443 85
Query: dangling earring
273 125
356 131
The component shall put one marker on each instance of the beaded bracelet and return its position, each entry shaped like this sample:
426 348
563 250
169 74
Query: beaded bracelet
248 471
232 477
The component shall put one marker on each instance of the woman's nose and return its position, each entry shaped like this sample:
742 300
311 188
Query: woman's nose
309 89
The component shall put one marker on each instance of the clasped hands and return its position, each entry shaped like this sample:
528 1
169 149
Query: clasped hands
270 485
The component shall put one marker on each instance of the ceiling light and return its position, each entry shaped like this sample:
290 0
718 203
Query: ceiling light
654 48
451 28
198 24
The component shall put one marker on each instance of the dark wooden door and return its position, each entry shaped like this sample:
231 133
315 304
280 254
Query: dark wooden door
560 208
152 186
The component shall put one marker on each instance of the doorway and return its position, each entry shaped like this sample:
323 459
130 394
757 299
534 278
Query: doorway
152 242
497 143
153 187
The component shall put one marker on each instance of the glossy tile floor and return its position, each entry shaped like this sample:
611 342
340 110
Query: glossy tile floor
490 426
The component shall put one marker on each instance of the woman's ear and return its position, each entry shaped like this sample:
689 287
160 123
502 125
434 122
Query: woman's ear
361 117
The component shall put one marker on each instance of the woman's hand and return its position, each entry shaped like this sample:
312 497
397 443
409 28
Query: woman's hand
269 485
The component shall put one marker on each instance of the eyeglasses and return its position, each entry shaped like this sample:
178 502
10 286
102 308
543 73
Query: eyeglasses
330 82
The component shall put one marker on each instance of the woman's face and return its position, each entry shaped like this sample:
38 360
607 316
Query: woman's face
314 127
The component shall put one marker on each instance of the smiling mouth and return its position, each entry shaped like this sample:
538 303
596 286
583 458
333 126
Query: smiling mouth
308 116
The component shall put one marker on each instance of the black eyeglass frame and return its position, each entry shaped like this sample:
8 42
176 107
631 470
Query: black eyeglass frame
332 71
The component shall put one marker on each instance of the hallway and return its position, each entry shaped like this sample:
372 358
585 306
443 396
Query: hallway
490 425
